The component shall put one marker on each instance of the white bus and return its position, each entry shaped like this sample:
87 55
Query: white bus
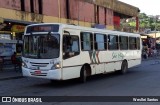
59 51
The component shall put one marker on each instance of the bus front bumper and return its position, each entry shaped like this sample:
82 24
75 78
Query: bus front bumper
47 74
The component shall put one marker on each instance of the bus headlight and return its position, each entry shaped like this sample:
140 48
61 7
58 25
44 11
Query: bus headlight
56 66
24 65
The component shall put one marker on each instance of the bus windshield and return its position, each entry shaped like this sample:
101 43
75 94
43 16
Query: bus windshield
41 46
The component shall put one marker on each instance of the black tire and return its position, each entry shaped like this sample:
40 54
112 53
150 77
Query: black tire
52 81
55 81
124 67
83 75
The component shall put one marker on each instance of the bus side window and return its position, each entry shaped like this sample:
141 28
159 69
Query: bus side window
66 43
113 42
132 43
70 46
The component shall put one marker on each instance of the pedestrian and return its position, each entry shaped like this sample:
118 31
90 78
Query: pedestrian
16 61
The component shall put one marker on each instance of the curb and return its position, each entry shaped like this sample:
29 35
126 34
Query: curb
150 59
9 78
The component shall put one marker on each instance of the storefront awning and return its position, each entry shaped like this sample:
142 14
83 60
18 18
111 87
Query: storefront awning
18 21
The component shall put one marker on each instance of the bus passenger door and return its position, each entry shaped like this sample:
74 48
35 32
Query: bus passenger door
71 58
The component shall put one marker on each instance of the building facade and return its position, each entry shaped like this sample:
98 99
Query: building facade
15 14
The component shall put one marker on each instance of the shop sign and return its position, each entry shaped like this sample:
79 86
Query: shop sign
18 28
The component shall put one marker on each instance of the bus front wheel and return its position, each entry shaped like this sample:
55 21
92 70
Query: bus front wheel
83 75
85 72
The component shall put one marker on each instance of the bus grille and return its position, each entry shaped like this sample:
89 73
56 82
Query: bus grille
39 64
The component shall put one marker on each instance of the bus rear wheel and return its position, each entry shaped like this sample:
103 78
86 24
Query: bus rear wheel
124 67
85 72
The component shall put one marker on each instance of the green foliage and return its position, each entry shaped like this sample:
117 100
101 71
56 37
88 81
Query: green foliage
145 21
132 24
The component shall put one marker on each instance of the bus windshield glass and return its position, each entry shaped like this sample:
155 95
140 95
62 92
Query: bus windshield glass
41 46
43 28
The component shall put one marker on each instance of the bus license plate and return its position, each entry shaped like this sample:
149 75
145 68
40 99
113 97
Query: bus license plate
37 72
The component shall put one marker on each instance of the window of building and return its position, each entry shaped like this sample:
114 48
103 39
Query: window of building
32 6
113 42
123 42
100 42
40 2
86 41
22 5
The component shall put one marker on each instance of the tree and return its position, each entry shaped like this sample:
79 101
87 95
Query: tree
145 22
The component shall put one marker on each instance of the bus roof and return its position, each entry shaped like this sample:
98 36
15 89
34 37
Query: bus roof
72 26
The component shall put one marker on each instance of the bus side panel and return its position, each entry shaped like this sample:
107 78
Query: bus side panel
71 68
71 72
113 60
134 58
133 63
99 68
87 58
99 57
105 58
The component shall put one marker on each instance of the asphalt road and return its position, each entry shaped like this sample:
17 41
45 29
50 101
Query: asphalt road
140 81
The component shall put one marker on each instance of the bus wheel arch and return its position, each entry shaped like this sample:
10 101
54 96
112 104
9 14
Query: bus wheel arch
85 72
124 67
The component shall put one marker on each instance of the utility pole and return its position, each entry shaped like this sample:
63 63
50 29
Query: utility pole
156 17
155 28
137 24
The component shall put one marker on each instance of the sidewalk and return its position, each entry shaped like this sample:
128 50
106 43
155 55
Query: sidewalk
151 58
150 61
9 73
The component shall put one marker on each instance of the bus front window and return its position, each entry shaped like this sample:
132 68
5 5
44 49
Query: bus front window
41 46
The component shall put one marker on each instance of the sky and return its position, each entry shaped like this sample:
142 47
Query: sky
149 7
